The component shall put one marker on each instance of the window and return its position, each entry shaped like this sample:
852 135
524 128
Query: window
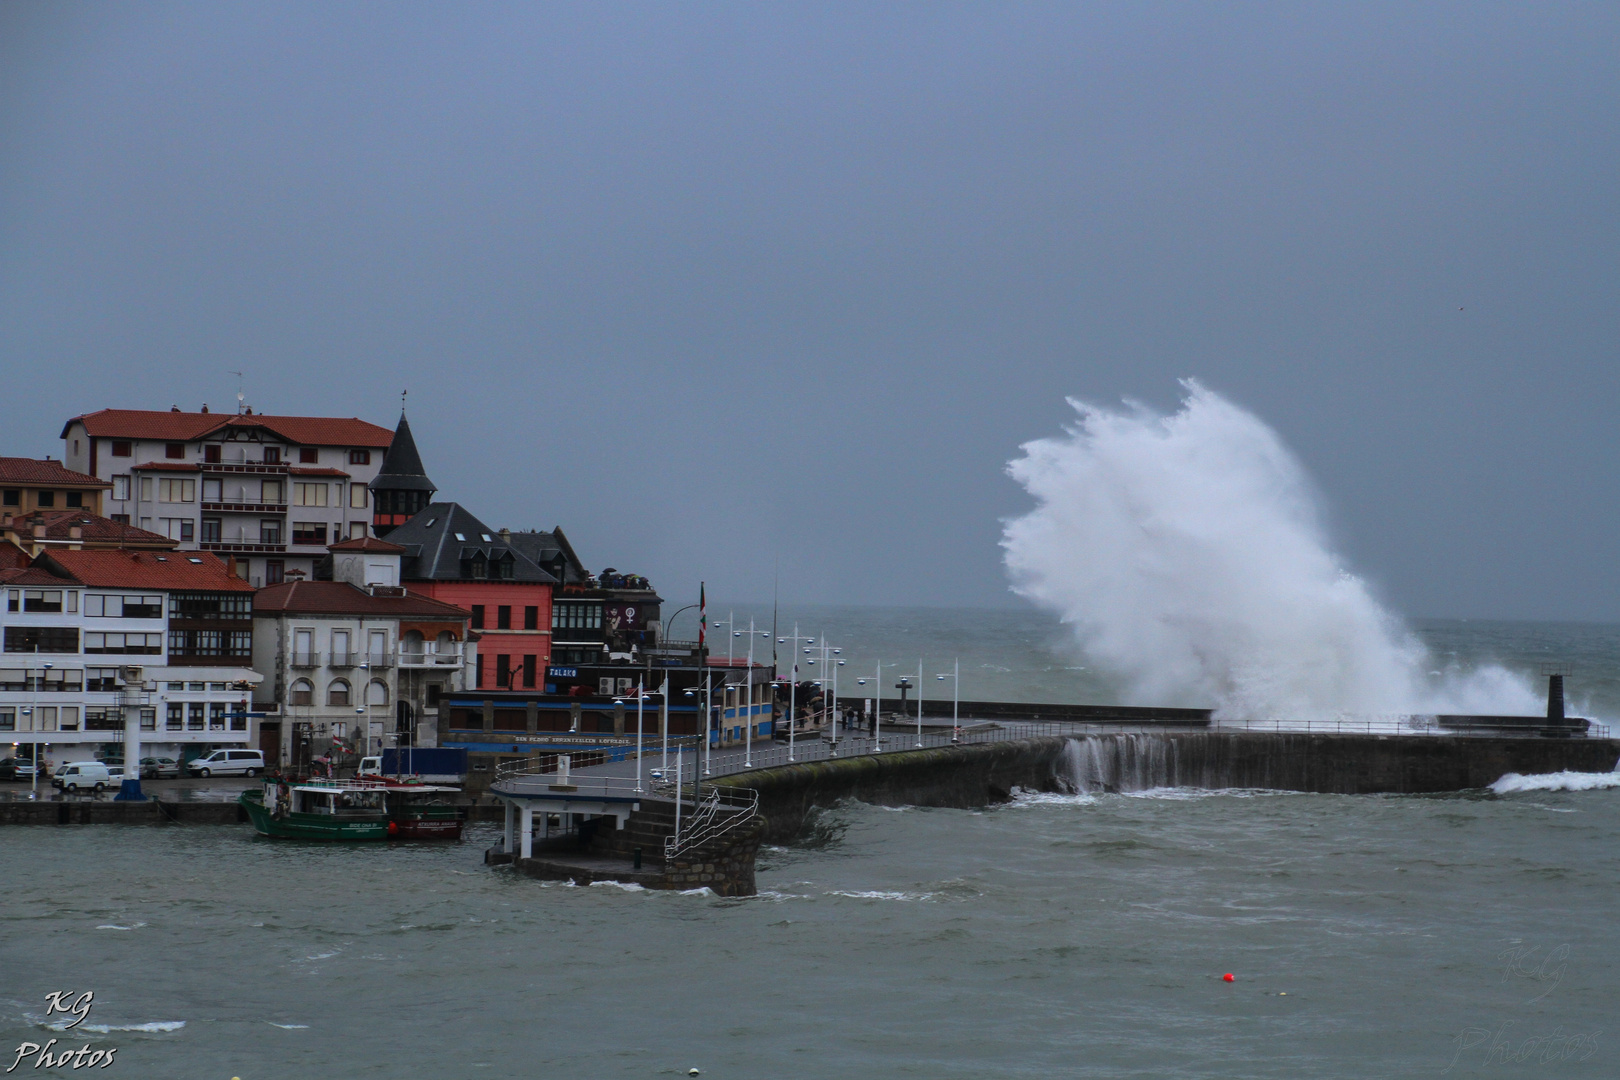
146 489
120 490
232 605
101 680
528 671
46 498
216 716
14 600
309 455
149 718
42 599
357 496
478 616
338 692
122 519
74 499
503 670
123 607
275 571
121 448
341 657
531 618
474 567
42 639
213 491
309 532
378 653
213 530
177 491
13 497
302 693
70 718
182 529
196 716
272 491
359 457
103 718
377 692
269 532
503 617
309 494
478 672
174 450
211 453
176 719
357 530
573 615
8 718
272 455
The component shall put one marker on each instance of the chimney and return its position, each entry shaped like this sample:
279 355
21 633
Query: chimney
76 533
205 406
506 537
230 566
39 532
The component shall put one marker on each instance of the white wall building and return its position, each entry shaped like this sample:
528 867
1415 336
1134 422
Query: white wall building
104 649
274 491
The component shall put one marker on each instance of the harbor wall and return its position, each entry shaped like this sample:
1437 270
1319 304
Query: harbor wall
109 812
981 774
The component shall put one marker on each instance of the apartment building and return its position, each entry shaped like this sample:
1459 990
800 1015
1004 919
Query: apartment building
274 491
103 649
27 486
356 659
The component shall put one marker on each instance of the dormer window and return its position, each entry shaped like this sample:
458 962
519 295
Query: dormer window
462 537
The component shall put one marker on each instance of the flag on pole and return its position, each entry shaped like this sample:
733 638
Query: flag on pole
703 617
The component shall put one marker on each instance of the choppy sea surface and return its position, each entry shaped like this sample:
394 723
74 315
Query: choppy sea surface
1054 936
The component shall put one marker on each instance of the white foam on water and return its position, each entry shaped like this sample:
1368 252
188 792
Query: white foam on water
114 926
104 1029
288 1027
1558 781
627 886
702 890
875 894
1187 556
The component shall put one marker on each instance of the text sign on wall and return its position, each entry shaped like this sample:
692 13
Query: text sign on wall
563 672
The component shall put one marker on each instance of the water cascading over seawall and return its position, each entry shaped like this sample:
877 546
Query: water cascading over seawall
1337 764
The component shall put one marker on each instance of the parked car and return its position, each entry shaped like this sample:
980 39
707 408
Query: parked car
116 776
76 776
227 763
15 768
159 768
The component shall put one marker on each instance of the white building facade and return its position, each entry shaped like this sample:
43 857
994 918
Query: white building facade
99 656
274 491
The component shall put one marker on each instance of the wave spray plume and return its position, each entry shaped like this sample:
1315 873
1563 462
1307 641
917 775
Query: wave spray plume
1188 556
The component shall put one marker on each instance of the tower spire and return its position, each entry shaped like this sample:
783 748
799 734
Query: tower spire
402 488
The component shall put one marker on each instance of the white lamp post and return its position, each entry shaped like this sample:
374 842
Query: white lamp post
793 685
953 675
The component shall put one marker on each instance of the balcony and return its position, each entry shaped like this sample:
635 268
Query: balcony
247 507
241 545
417 661
304 660
259 467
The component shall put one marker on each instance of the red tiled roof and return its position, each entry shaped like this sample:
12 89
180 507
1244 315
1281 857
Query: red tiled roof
12 557
93 528
166 466
200 570
22 470
34 575
188 427
341 598
367 543
307 471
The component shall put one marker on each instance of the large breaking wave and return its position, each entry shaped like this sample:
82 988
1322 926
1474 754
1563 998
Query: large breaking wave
1188 556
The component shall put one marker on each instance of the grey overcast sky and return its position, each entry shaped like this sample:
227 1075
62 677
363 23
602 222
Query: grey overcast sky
717 286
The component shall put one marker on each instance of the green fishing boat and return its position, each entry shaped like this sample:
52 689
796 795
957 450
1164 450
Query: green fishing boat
317 810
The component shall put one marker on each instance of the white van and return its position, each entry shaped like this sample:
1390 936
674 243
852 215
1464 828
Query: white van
78 776
227 763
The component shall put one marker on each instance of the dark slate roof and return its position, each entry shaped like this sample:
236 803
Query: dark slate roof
437 539
402 466
549 548
341 598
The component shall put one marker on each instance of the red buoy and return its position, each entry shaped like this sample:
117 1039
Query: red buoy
1229 977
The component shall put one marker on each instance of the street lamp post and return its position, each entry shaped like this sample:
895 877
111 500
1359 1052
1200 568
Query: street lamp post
919 703
793 685
748 743
956 683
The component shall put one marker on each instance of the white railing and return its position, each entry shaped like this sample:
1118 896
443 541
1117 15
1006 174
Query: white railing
718 811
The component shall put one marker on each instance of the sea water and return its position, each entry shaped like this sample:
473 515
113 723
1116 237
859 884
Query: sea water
1053 936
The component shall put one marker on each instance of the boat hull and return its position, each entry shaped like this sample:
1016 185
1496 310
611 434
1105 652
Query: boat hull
301 826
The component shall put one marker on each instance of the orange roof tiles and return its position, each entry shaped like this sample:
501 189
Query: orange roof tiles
188 427
200 570
341 598
22 470
93 528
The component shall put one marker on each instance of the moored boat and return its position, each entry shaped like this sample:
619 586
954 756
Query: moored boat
317 810
422 812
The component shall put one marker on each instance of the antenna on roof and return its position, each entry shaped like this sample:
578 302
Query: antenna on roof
402 394
239 395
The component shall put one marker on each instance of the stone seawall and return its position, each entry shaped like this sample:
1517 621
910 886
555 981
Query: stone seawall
109 812
984 773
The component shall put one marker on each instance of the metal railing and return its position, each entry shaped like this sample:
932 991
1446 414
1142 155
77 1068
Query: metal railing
718 811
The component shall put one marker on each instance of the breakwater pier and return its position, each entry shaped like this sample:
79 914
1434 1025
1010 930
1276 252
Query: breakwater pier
771 794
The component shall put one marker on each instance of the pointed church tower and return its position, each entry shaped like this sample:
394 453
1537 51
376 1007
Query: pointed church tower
402 489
